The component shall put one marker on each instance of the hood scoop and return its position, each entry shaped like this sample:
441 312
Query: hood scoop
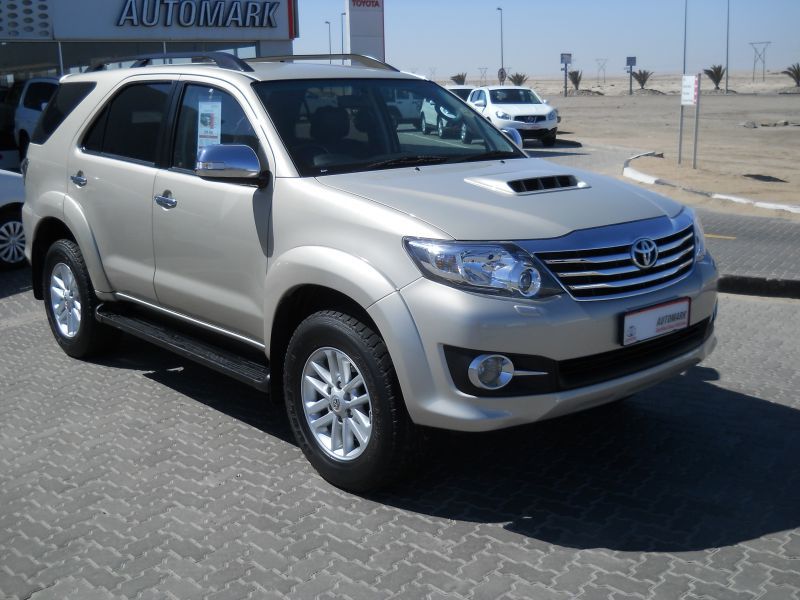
529 185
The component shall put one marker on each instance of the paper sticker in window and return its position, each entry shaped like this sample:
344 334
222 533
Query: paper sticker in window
209 124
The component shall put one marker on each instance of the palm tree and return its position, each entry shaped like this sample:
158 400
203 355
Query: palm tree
641 76
518 78
575 77
459 78
715 74
794 72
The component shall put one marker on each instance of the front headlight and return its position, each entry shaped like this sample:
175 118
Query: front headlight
552 115
699 239
502 115
488 268
447 114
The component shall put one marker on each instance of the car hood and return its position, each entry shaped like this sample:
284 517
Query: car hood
473 201
524 109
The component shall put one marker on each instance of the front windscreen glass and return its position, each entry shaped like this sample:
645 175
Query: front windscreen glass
347 125
514 96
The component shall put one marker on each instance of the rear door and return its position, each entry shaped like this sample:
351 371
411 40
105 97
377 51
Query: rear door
211 241
112 168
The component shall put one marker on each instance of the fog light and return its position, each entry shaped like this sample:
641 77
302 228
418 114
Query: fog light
490 371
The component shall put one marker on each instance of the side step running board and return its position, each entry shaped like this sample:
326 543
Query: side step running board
220 359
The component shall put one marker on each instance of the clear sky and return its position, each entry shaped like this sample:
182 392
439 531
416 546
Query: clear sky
452 36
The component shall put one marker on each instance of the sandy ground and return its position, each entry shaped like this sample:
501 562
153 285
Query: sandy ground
727 151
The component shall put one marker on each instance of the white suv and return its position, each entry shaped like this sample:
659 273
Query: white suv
12 237
373 279
26 100
520 108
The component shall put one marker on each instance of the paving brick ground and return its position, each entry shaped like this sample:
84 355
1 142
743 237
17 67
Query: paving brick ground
763 246
141 476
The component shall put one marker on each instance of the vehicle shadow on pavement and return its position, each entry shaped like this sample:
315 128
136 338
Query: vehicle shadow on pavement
218 392
685 466
14 281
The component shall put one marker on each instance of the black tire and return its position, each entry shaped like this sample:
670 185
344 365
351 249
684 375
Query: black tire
391 445
466 136
12 241
90 336
423 124
549 140
24 142
441 130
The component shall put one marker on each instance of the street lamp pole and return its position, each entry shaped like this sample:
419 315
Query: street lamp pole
330 49
727 44
680 125
502 61
341 18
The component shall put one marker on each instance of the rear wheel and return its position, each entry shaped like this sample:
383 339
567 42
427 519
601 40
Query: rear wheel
12 241
344 403
70 301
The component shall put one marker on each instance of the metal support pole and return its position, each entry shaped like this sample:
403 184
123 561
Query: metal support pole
566 68
502 59
683 72
60 60
696 123
727 45
630 81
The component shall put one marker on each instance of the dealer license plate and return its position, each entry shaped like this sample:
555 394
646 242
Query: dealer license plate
654 321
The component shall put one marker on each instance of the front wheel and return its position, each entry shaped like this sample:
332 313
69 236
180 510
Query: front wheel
549 140
70 302
423 124
344 403
466 136
12 242
441 130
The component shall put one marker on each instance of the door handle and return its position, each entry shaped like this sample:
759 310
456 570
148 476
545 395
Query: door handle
165 201
78 179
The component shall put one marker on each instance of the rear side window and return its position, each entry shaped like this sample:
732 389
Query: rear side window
66 99
38 94
130 126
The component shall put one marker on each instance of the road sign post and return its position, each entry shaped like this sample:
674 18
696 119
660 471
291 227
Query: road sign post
690 96
630 63
566 60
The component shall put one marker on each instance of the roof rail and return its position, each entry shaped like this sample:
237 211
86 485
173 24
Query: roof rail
360 59
221 59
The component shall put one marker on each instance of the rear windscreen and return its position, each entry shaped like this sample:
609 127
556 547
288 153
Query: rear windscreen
66 98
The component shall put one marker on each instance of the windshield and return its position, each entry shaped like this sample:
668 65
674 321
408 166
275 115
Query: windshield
345 125
512 96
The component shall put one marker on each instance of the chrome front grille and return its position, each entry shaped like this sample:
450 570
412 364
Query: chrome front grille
530 118
610 272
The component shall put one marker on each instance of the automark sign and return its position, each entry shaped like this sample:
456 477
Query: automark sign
160 20
206 13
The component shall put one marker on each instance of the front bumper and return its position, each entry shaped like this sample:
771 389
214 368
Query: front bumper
425 318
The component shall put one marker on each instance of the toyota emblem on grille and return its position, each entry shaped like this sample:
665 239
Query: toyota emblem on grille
644 253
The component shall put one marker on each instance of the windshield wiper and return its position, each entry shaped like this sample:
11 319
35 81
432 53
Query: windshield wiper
489 156
422 159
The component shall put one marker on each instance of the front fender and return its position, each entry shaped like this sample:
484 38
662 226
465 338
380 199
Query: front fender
327 267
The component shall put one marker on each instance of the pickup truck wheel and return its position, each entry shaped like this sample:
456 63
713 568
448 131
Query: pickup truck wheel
344 403
12 242
70 301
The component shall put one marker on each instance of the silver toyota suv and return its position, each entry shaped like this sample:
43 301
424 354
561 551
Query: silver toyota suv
270 219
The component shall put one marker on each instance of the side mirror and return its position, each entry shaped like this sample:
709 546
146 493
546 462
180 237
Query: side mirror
43 106
545 101
480 103
513 135
228 161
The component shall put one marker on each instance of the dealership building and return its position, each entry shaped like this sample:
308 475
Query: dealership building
54 37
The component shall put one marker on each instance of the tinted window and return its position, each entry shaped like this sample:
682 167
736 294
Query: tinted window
130 126
38 94
67 97
463 94
209 116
